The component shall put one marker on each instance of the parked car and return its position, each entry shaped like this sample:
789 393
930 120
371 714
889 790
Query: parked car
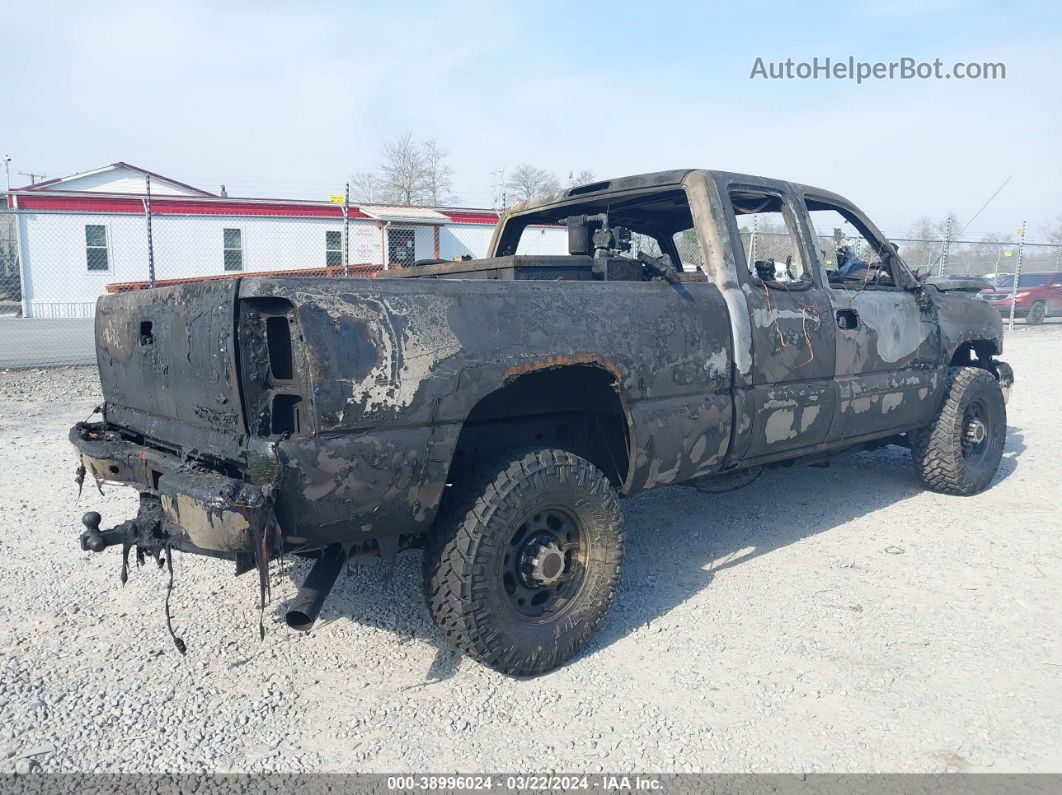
1038 296
494 411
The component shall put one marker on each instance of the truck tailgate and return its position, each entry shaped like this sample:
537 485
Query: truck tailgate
167 360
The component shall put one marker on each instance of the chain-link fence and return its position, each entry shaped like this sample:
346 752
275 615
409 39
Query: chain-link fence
58 255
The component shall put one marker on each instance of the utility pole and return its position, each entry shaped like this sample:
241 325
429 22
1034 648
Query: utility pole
497 180
7 171
1017 275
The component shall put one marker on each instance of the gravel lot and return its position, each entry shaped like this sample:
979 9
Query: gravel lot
836 619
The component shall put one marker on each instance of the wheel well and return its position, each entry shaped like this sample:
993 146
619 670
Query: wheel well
974 353
574 408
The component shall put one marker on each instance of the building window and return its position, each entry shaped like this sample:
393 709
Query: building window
96 247
233 249
333 248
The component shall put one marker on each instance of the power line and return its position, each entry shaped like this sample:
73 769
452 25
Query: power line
987 203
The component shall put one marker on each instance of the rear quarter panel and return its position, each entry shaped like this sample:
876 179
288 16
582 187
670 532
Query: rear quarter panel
404 361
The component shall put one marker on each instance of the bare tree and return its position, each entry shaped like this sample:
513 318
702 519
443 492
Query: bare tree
922 228
411 173
438 175
583 176
404 171
942 226
528 182
367 186
922 251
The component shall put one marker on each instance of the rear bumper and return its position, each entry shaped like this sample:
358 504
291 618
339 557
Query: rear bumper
303 492
201 510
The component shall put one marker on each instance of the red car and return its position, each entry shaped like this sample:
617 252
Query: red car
1039 296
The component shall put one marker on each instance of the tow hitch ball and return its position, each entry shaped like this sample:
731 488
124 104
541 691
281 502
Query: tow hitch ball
92 540
143 529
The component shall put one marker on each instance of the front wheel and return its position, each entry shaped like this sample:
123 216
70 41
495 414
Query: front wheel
960 451
524 561
1036 314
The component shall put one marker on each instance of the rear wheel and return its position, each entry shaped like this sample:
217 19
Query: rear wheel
960 451
1037 313
525 560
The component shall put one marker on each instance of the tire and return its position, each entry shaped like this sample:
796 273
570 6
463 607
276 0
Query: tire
952 455
501 536
1036 314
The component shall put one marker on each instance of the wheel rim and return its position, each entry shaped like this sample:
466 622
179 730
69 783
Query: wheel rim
975 431
1036 314
544 564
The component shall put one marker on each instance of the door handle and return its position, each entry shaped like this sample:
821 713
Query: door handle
847 319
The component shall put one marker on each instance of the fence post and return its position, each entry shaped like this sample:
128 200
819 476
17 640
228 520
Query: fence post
150 242
1017 274
21 258
944 249
346 232
752 243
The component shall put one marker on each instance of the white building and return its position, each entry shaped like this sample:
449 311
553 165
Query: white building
77 235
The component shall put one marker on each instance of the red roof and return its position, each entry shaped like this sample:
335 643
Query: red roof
171 205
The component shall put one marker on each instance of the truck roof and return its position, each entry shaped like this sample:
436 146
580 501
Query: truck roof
654 179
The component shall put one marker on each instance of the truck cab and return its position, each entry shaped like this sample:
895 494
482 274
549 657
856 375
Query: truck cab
834 340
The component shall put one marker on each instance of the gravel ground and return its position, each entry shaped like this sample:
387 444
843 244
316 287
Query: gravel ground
837 619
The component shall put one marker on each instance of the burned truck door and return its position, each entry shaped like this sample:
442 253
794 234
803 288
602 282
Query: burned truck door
888 346
792 396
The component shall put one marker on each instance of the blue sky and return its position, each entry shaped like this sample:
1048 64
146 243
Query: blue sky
287 99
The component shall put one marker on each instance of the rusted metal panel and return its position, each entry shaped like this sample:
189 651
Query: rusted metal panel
358 486
889 367
963 319
787 333
168 356
420 354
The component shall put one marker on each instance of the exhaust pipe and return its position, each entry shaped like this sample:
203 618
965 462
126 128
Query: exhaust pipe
306 607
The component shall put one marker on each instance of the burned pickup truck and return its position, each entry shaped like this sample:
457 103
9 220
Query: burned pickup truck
493 411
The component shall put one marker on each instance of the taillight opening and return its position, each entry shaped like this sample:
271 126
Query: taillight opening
286 414
278 343
272 363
